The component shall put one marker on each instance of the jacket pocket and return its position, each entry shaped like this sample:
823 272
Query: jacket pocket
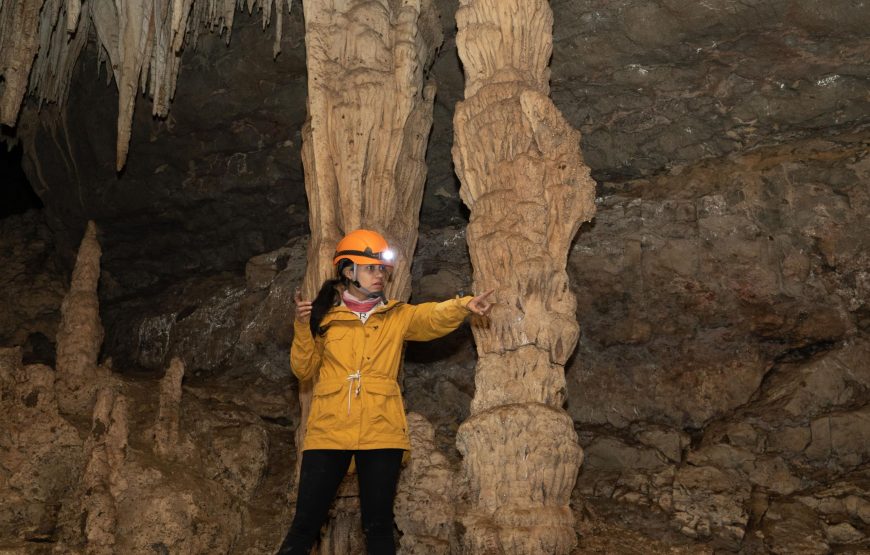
385 411
325 404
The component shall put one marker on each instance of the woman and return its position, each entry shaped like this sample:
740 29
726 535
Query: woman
354 337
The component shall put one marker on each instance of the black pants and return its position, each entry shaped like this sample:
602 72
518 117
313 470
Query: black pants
321 474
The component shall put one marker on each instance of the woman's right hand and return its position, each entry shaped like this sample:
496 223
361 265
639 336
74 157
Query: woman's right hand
303 308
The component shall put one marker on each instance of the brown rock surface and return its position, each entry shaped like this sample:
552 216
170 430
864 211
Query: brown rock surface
33 287
42 452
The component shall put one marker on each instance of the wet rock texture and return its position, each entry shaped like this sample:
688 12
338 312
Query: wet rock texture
720 386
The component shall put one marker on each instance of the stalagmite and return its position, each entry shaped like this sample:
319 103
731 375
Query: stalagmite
102 480
528 190
369 116
141 41
166 429
80 334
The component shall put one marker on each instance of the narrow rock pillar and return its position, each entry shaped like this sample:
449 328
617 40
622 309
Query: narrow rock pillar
523 178
102 481
364 143
168 424
80 334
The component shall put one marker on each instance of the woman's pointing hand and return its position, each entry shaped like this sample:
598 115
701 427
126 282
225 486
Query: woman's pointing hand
479 304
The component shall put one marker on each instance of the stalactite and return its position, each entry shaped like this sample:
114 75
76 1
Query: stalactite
52 70
80 334
142 40
19 36
523 177
369 116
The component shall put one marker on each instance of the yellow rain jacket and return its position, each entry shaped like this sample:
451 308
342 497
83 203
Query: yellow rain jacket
357 402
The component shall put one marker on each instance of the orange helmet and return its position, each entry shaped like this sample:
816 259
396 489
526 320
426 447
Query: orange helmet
364 247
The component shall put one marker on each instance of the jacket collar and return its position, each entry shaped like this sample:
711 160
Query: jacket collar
341 312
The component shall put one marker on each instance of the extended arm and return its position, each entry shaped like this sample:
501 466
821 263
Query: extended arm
432 320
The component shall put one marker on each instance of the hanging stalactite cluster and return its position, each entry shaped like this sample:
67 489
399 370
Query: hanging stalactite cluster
140 41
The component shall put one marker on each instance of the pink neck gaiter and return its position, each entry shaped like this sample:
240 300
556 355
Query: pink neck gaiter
357 305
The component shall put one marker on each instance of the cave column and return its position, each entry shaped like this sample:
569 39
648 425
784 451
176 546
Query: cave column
523 178
364 143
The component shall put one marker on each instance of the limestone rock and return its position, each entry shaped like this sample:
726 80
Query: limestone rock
667 442
707 500
425 496
842 439
843 533
33 287
714 269
42 452
80 334
523 178
793 528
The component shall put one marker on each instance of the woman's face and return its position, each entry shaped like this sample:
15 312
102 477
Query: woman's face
372 277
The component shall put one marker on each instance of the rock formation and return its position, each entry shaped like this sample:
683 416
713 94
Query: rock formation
31 303
425 505
719 387
80 335
153 471
752 438
140 43
41 459
524 180
364 143
166 429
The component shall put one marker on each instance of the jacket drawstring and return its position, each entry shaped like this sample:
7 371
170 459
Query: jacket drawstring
351 378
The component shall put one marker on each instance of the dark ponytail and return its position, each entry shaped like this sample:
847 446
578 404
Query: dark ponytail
326 298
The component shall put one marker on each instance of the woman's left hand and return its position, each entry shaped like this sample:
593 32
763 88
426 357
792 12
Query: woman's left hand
479 304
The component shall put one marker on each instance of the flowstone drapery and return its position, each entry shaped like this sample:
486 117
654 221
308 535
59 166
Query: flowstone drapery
524 179
369 116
